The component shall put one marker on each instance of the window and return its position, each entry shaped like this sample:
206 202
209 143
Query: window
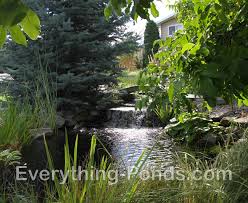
173 28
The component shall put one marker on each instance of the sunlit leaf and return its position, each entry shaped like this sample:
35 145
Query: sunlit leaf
17 35
187 47
108 11
154 10
31 25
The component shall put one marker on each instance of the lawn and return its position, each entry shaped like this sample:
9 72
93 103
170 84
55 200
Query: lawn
128 79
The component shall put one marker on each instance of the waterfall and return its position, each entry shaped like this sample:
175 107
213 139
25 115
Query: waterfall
131 133
126 117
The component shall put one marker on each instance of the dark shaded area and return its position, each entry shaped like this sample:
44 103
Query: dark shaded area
35 156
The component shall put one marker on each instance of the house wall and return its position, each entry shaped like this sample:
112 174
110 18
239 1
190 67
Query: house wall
164 27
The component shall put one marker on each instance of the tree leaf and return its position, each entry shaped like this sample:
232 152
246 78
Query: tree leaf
143 13
12 12
31 25
205 51
107 12
171 92
154 10
207 87
187 47
3 34
17 35
117 6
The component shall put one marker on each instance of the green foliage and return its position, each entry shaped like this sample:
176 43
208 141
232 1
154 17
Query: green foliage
207 58
191 129
150 36
188 190
165 113
78 48
158 92
16 19
200 134
135 8
18 118
15 124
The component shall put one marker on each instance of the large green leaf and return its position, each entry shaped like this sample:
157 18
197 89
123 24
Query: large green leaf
154 10
12 12
17 35
31 25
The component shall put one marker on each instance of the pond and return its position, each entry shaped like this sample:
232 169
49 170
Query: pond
130 137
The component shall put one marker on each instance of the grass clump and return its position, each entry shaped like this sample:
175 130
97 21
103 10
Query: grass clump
100 184
18 118
36 109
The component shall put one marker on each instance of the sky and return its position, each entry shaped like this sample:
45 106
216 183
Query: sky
139 26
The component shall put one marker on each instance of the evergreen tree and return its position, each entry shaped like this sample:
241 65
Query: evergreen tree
151 34
78 47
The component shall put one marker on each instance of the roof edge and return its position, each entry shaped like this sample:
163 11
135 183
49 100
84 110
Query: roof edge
166 18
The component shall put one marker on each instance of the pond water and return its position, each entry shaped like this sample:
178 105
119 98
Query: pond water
130 137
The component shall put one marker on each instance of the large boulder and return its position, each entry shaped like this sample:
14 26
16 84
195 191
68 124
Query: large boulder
220 112
34 154
241 121
227 121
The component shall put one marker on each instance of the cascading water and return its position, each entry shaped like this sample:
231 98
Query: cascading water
126 117
130 137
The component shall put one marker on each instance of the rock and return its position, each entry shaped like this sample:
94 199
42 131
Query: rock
34 154
227 121
94 113
220 101
207 141
126 96
70 122
242 140
214 151
60 121
173 120
242 122
130 90
220 112
40 132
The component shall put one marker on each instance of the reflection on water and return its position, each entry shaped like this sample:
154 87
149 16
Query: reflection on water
128 132
129 143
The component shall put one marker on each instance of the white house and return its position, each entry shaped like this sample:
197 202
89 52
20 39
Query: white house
168 26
